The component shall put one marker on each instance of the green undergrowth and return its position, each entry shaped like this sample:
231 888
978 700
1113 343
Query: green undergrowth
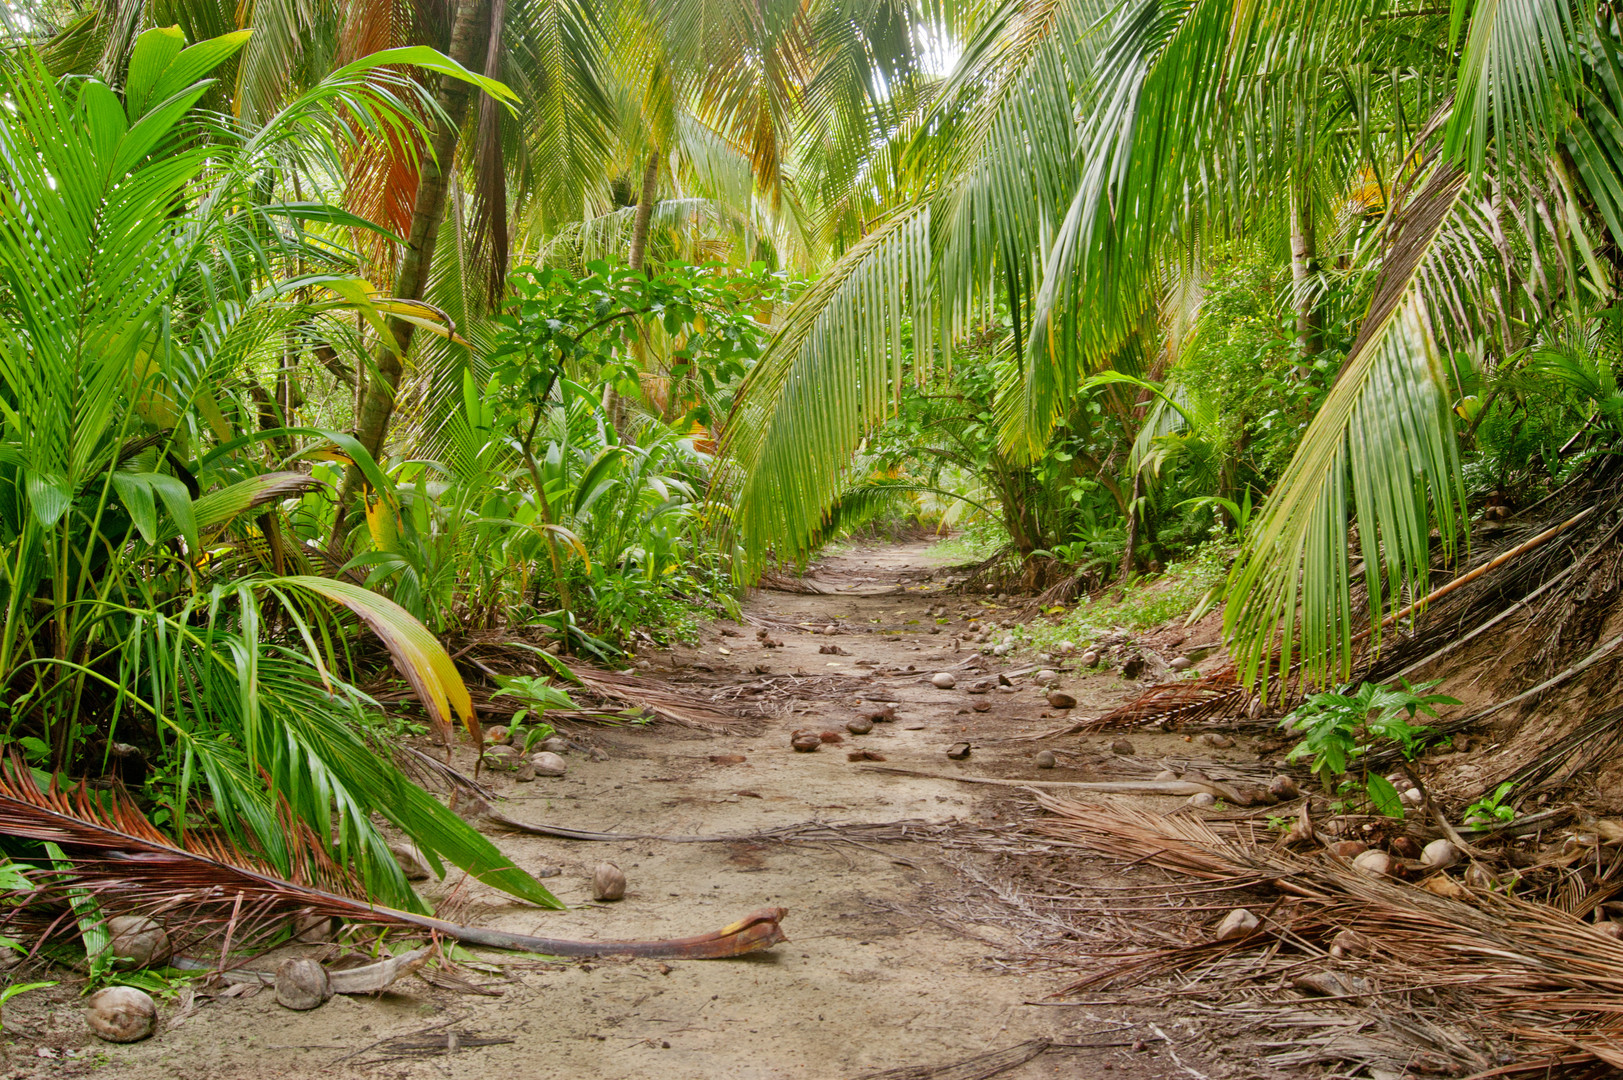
1145 603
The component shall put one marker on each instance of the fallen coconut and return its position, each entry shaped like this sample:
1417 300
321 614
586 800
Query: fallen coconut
1059 699
1480 877
136 941
1301 832
1203 800
555 744
302 984
1065 648
981 706
1090 659
1181 663
1046 676
1122 748
1046 759
860 726
1238 923
525 773
549 764
1347 849
1215 741
944 680
1405 848
1374 862
805 741
1165 774
312 929
497 736
412 863
1283 787
608 883
1439 854
1350 943
121 1014
1411 797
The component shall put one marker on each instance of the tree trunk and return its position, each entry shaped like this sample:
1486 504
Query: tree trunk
1304 253
411 277
645 212
1132 532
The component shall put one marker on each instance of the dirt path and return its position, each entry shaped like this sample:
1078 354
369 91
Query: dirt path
887 963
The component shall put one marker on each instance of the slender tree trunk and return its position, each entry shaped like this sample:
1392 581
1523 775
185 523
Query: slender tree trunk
1132 532
1304 254
411 277
645 212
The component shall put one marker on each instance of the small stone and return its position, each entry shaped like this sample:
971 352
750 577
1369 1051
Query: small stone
1046 759
1122 747
1215 741
137 942
302 984
549 764
608 883
1439 854
805 742
860 726
944 680
1346 849
1374 862
412 864
1203 799
1238 923
121 1014
1181 663
958 751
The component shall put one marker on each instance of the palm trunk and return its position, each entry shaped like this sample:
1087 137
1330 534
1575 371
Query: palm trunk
1304 253
411 278
1132 532
645 212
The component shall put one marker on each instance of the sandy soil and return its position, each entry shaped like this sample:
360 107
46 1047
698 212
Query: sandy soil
886 965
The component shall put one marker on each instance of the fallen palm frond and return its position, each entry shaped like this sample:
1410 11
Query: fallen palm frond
665 702
207 886
1503 976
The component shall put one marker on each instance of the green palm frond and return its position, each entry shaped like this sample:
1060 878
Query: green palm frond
1383 442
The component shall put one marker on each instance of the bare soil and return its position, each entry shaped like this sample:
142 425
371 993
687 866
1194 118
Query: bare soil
897 955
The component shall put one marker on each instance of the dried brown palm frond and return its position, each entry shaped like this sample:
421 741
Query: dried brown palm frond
1510 973
665 702
207 886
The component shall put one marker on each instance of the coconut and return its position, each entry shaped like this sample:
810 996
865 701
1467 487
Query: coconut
1374 862
121 1014
1439 854
608 883
313 929
412 863
1046 676
1203 800
1238 923
555 744
497 736
944 680
137 942
502 757
1181 663
549 764
1059 699
805 741
1090 658
1122 748
302 984
1046 759
860 726
1283 787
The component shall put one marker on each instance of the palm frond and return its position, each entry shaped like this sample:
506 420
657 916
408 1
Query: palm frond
1384 442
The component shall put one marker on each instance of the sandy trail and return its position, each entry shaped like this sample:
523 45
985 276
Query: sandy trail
886 966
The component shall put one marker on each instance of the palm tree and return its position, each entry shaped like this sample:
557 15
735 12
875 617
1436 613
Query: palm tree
1076 164
139 265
